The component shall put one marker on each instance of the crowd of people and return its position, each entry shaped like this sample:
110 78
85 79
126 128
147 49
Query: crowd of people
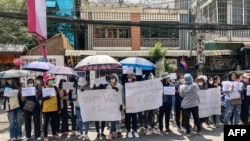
43 110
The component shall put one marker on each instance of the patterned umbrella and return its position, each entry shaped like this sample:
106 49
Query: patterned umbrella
97 62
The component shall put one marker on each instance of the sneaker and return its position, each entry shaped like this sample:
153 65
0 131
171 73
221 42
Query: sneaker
179 129
109 137
19 138
148 132
102 135
26 139
115 134
154 131
168 131
38 138
198 132
130 135
136 135
81 137
188 134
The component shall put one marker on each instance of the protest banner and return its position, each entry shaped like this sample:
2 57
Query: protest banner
68 85
143 95
9 92
100 105
48 92
29 91
210 102
100 80
169 90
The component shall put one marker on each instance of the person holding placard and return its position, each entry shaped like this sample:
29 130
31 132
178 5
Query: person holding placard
114 84
31 95
51 106
246 99
64 108
232 91
131 116
190 103
165 109
13 106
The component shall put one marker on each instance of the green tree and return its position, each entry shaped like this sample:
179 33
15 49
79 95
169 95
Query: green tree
158 56
14 31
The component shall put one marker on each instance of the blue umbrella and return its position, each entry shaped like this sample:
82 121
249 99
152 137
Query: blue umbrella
134 62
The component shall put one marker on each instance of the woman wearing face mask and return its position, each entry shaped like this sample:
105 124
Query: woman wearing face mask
35 114
131 116
115 84
51 106
201 81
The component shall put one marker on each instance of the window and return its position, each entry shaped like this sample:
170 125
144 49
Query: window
159 33
111 32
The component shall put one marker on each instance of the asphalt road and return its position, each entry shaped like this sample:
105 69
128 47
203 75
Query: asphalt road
208 134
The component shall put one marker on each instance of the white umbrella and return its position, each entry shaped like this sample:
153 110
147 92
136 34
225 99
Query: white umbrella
62 70
14 73
38 66
97 62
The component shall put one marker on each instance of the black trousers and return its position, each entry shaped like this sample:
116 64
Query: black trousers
165 110
149 118
178 111
186 115
97 126
244 110
128 118
64 118
28 116
52 118
73 116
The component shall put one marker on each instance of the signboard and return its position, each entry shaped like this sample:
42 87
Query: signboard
29 91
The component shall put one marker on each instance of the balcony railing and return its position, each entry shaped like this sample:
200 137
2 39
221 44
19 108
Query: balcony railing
166 42
104 42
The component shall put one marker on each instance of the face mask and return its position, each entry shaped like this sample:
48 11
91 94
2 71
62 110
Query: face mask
30 85
130 79
245 80
112 80
200 83
51 82
38 81
210 82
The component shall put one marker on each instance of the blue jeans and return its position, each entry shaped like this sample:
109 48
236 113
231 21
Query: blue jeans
113 127
15 118
80 123
229 110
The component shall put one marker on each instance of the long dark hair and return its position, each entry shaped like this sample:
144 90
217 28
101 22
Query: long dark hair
61 83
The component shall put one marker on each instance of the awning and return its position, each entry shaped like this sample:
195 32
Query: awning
12 48
145 53
51 3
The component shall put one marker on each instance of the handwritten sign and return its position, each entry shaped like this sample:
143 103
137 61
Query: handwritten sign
100 80
9 92
127 69
210 102
29 91
68 85
48 92
100 105
173 76
143 95
169 91
138 71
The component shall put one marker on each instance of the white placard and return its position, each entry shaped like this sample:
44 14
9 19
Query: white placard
68 85
100 80
210 102
29 91
127 69
138 71
169 91
100 105
9 92
143 95
173 76
48 92
248 90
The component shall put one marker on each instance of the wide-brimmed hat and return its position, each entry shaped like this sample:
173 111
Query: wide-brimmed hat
246 75
82 81
131 75
188 78
48 77
165 75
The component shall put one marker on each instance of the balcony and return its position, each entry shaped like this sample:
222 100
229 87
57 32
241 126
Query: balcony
166 42
105 42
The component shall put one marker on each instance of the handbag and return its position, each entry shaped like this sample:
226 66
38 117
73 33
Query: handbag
236 101
29 105
11 103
